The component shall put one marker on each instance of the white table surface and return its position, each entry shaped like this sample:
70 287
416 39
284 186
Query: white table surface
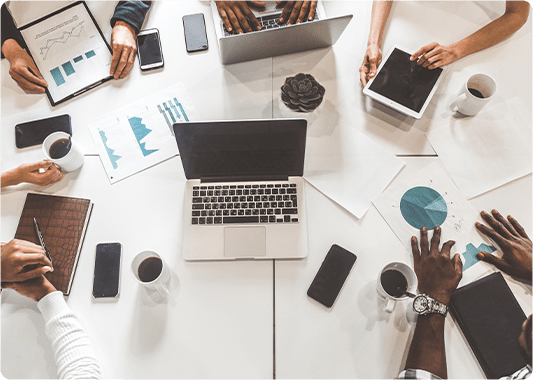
220 318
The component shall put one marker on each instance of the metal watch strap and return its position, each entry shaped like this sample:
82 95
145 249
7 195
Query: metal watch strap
435 307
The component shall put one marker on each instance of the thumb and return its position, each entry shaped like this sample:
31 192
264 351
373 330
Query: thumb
39 165
491 259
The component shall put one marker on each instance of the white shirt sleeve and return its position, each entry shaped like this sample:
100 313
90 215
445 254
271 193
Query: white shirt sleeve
73 351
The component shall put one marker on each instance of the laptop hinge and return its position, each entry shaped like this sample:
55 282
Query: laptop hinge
246 178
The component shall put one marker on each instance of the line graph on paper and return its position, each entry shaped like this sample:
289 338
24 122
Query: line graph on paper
74 33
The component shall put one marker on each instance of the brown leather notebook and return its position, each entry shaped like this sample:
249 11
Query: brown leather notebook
63 222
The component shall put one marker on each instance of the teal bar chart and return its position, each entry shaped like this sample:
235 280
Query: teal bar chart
69 69
58 76
90 54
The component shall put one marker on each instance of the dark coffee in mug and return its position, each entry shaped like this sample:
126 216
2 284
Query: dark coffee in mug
60 148
150 269
394 283
476 93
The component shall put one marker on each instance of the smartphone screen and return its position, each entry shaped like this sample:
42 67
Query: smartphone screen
107 270
195 34
149 49
331 276
35 132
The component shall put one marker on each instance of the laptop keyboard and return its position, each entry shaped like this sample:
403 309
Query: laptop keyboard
267 22
258 203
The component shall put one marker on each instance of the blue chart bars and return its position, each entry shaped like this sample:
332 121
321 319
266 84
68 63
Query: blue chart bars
472 251
110 152
423 207
169 110
58 77
69 70
140 131
90 54
78 58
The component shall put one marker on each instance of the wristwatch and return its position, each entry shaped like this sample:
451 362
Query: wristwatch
423 304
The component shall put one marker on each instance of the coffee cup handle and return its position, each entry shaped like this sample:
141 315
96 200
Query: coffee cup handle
389 306
457 101
162 289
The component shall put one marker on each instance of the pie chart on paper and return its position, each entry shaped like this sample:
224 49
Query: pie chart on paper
423 207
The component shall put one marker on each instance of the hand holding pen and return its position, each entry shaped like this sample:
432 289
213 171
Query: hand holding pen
17 255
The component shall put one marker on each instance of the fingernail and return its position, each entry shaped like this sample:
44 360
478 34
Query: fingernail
437 228
480 255
281 19
49 269
478 224
494 211
483 213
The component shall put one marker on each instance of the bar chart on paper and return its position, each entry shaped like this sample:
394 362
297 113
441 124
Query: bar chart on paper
140 135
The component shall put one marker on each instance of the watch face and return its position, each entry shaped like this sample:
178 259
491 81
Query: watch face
420 304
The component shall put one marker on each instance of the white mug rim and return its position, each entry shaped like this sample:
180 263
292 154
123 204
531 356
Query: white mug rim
136 275
393 266
54 134
472 96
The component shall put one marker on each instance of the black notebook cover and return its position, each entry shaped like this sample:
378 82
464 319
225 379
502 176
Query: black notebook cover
491 319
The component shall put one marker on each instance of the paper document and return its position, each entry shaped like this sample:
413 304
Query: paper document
488 150
347 166
69 51
140 135
430 199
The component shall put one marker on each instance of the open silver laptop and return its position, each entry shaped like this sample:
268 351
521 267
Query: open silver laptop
275 39
245 195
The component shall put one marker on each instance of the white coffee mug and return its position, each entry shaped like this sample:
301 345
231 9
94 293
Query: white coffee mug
412 284
478 90
160 281
74 158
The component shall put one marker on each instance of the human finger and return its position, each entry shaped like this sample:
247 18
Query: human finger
26 246
257 4
34 273
129 64
286 11
35 258
424 245
415 250
457 264
446 248
295 12
31 77
494 260
312 10
35 166
224 17
496 225
250 17
117 52
491 234
303 12
233 19
26 85
431 57
124 55
363 71
37 74
518 227
422 50
435 241
506 224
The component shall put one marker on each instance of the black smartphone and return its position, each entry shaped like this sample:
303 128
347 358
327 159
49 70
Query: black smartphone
35 132
149 49
195 34
107 270
331 276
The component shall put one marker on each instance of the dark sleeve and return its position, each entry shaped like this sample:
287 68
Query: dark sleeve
132 12
8 28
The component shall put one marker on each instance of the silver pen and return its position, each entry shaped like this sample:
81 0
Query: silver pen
41 239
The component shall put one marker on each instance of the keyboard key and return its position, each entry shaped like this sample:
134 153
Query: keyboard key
270 185
257 198
226 212
285 185
203 193
288 204
205 199
246 192
218 220
260 192
278 211
244 205
195 193
268 191
279 220
248 186
236 205
264 219
277 185
275 191
196 187
273 204
282 191
292 185
210 193
255 186
209 220
232 192
253 192
238 192
258 205
262 186
211 213
225 187
279 197
203 188
219 213
287 218
198 206
263 211
197 200
218 187
194 220
208 206
229 205
220 199
287 211
248 212
241 219
210 187
272 219
203 213
241 212
232 186
201 220
291 191
213 199
255 212
294 220
196 213
242 199
233 212
240 186
270 211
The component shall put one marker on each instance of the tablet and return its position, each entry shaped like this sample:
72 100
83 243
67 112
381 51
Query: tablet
403 85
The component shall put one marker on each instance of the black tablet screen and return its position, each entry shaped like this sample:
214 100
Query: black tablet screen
404 82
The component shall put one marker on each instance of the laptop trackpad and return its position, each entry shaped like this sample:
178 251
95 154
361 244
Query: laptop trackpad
245 242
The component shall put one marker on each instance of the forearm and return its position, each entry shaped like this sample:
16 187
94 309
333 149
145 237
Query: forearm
10 178
427 348
73 351
9 30
380 14
131 12
494 32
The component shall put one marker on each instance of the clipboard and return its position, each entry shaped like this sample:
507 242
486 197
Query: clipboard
69 49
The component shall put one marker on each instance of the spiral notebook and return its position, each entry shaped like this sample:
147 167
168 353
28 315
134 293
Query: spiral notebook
63 223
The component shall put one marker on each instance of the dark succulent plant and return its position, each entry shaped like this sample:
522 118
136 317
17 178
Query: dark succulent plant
302 93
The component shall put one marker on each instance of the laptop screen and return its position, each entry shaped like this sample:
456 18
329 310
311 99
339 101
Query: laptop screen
256 149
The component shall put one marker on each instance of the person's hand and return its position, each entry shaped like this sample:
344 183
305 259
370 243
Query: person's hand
294 12
435 55
438 276
237 15
42 173
124 49
513 241
370 64
17 255
22 68
34 289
